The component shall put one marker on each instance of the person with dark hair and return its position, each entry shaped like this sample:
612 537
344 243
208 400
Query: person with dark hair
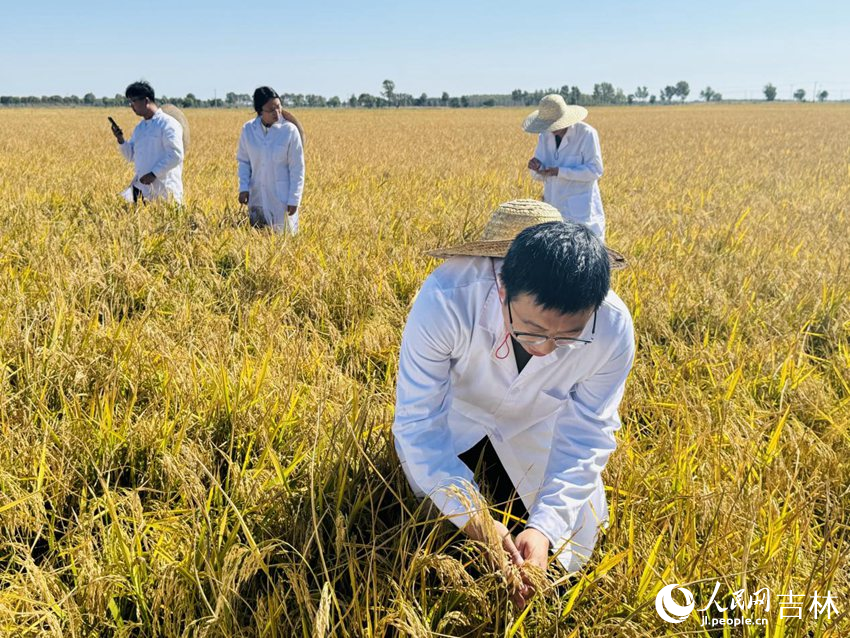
270 160
510 375
156 148
568 160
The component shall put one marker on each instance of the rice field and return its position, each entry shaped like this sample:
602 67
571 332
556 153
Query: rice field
195 415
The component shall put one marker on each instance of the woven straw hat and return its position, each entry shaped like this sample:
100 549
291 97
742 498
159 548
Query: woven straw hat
177 114
508 221
552 114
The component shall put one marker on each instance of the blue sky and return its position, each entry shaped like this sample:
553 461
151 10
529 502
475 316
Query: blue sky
334 48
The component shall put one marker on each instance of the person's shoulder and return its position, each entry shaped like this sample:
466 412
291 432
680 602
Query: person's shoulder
249 123
462 272
614 315
585 128
165 120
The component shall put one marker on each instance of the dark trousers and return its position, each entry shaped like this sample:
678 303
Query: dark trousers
495 483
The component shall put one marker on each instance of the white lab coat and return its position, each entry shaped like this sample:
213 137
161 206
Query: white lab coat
552 425
156 146
575 190
271 169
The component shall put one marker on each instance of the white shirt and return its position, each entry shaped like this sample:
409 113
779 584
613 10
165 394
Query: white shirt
271 169
552 425
575 190
156 146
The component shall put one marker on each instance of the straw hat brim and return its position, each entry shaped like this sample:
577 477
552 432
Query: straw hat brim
499 248
177 114
534 124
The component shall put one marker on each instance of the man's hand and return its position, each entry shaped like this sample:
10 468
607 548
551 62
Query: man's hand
533 546
534 164
549 172
116 131
291 210
243 197
147 179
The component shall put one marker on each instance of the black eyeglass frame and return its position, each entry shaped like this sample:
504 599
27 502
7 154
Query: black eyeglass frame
537 339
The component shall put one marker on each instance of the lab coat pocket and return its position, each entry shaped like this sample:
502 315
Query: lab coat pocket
578 206
282 190
515 417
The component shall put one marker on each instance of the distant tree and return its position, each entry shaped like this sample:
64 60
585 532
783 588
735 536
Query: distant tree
389 90
823 95
652 99
682 89
334 102
604 93
717 97
366 100
190 100
575 95
707 94
422 100
630 98
641 93
454 102
800 95
445 98
352 101
89 98
489 102
230 98
464 101
769 92
516 95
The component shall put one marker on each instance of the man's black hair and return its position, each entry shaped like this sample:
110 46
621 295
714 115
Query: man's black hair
263 95
138 90
562 265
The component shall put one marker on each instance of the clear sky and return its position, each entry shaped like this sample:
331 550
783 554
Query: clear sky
339 48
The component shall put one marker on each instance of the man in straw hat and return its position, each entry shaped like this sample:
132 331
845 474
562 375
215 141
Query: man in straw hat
156 148
513 363
568 160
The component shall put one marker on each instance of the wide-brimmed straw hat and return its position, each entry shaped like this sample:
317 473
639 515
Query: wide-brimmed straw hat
177 114
553 114
508 221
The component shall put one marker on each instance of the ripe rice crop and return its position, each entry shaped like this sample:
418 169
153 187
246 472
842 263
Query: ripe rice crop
196 415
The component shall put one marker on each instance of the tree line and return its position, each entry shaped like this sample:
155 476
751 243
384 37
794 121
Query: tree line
602 93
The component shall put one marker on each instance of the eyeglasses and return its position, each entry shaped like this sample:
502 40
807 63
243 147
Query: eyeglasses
274 109
532 339
135 99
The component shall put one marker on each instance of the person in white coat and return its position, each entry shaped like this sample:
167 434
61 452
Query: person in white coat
568 160
271 165
155 148
517 366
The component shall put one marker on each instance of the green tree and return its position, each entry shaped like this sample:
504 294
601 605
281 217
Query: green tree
769 92
334 102
366 100
823 95
89 98
707 94
800 95
445 98
682 89
641 93
389 90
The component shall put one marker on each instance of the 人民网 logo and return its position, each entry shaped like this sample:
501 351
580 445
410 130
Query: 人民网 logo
669 609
